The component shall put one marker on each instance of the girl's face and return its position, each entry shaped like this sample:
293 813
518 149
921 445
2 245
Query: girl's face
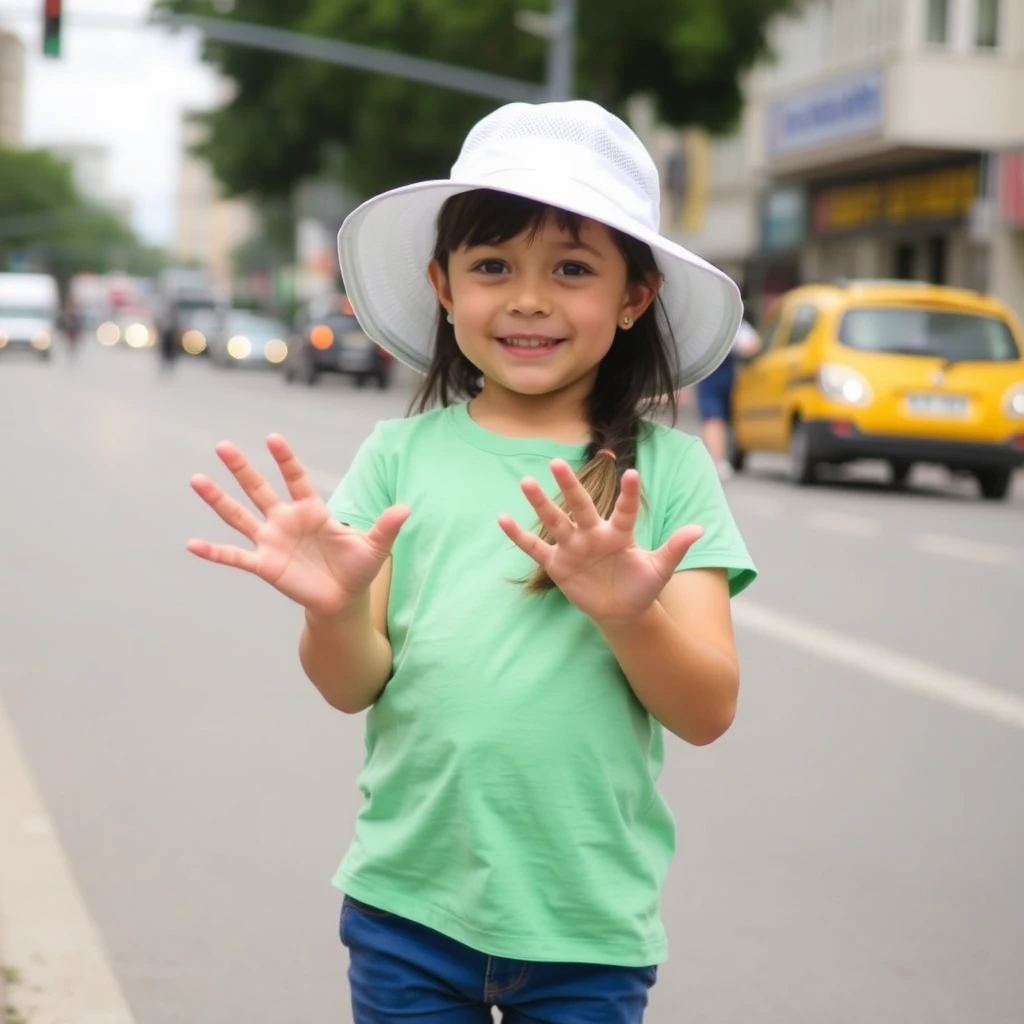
537 314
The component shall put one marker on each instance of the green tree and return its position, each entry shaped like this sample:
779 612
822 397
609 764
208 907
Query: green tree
687 54
44 218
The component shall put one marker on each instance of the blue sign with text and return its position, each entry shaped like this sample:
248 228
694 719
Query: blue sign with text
840 110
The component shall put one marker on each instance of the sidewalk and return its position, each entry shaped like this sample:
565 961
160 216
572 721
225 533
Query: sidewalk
48 939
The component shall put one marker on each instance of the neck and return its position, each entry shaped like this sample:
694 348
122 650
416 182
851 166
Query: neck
558 415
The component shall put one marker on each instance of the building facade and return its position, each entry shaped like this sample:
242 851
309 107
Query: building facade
12 90
884 140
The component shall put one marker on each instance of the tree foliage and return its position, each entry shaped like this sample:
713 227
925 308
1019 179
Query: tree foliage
687 54
44 219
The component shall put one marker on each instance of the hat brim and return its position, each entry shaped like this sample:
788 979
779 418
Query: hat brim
385 245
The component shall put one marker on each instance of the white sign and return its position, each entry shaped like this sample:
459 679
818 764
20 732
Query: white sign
841 110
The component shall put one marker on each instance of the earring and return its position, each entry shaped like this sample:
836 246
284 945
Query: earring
627 322
451 320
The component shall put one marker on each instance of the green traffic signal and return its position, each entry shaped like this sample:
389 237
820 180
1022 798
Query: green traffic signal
51 46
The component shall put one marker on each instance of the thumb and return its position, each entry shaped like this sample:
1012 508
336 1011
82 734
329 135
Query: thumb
382 535
672 552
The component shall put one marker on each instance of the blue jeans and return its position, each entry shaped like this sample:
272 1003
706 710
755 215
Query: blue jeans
402 972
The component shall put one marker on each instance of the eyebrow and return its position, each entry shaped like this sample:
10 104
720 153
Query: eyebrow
569 245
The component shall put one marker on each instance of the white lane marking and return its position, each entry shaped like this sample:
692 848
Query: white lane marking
982 552
49 937
844 522
899 670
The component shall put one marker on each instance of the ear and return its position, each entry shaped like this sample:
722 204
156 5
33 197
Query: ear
439 282
639 297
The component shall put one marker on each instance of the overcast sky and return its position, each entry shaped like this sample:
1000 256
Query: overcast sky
123 89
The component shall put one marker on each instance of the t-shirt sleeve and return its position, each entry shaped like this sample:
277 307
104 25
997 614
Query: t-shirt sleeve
697 498
366 489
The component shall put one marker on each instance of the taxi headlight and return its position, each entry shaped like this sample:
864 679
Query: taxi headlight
843 384
1013 402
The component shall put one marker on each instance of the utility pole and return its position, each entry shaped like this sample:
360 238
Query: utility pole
559 29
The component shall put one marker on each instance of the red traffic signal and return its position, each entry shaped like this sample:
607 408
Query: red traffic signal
51 27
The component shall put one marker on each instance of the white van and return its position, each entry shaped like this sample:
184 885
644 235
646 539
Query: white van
29 312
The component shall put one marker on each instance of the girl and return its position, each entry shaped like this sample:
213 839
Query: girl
512 841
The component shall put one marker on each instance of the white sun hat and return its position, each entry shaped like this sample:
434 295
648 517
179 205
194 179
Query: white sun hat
572 155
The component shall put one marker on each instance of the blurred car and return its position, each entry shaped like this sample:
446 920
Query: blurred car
29 312
335 343
899 371
248 339
129 326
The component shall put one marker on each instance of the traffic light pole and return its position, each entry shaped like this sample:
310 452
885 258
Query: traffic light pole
559 28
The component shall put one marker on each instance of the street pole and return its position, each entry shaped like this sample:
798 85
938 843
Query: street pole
561 70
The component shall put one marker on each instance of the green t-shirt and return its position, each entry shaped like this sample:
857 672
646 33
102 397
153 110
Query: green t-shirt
510 773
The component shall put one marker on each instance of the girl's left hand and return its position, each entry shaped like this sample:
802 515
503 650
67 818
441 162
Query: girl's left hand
596 562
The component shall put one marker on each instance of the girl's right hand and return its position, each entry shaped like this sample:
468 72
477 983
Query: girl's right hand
299 547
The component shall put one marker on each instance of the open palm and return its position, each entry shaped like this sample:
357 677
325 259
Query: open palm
596 562
298 546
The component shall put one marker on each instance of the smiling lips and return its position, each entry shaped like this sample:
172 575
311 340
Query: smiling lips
529 344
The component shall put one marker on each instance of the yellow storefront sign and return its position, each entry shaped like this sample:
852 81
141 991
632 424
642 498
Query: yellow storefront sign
945 194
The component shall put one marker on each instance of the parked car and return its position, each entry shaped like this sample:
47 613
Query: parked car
248 339
335 343
899 371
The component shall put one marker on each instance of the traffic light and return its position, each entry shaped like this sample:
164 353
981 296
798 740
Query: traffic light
51 27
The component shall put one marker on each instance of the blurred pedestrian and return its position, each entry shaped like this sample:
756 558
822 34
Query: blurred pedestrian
512 843
714 397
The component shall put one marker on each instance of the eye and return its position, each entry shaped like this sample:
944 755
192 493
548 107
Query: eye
490 267
571 268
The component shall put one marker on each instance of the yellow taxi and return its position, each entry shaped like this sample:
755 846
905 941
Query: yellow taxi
899 371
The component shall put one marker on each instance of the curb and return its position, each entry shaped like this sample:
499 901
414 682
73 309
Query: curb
46 932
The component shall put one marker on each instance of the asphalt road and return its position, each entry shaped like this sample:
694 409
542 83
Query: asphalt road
850 852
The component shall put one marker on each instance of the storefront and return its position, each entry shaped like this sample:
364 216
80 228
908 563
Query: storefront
911 224
776 266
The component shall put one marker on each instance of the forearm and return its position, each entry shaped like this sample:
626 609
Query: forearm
689 685
345 658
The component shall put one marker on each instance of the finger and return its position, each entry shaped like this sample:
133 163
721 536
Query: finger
233 512
539 550
667 558
577 500
223 554
249 478
627 505
384 532
551 517
296 478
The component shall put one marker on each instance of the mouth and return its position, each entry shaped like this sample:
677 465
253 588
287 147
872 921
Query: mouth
529 344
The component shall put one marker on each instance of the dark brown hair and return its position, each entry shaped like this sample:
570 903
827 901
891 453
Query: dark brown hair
638 371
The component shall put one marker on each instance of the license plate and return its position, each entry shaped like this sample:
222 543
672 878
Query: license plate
937 405
355 340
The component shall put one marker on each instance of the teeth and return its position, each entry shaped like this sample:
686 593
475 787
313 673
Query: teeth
527 342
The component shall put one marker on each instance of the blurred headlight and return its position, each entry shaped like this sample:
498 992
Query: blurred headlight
842 384
275 350
239 347
42 341
1013 403
137 335
3 340
108 333
193 342
321 337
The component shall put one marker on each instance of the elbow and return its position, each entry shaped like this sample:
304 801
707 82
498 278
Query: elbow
714 727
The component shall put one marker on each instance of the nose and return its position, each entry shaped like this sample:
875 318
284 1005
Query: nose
528 296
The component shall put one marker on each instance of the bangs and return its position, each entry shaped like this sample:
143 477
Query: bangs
486 217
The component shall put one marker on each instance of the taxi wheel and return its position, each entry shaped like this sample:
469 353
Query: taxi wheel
994 483
899 473
803 467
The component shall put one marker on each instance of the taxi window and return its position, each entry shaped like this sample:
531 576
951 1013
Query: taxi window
802 324
956 337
